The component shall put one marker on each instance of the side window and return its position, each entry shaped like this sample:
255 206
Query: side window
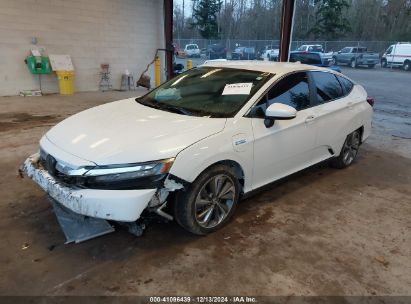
327 86
292 90
346 85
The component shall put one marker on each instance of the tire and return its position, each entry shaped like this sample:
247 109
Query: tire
371 66
334 61
353 63
348 152
199 210
407 65
383 63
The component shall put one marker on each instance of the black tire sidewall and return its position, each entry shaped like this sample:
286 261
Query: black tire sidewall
184 206
338 162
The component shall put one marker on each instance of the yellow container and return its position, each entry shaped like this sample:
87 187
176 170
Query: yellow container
66 82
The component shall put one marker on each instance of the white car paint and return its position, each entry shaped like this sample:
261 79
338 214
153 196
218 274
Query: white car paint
270 54
125 132
103 134
398 55
192 50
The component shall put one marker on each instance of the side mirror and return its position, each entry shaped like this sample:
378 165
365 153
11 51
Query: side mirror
278 111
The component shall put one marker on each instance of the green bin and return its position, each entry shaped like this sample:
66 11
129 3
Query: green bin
38 65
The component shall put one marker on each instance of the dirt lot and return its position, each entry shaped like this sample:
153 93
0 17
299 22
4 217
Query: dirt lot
319 232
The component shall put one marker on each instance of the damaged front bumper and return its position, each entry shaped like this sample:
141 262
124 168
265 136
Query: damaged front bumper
115 205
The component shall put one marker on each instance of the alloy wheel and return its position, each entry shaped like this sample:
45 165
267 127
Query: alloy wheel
214 201
350 148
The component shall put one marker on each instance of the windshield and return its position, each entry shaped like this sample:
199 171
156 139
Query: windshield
316 48
206 91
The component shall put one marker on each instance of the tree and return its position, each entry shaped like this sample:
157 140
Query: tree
330 21
205 18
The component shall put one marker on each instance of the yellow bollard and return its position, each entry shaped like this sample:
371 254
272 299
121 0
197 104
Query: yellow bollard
189 64
157 71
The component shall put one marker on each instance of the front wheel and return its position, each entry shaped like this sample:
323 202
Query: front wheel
349 151
407 66
209 202
383 63
354 64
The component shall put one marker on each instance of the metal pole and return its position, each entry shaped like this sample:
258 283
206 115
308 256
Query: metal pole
287 18
168 35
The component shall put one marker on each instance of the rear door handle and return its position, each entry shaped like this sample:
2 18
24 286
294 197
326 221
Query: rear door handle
310 118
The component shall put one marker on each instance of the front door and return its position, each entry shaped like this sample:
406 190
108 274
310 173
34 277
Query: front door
288 145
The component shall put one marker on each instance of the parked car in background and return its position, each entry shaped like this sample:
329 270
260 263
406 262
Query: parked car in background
314 58
192 147
356 56
311 48
270 53
397 55
216 51
192 50
244 53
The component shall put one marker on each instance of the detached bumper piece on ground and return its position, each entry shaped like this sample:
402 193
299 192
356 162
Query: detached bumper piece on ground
78 228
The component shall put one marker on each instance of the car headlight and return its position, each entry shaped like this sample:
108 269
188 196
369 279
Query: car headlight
133 171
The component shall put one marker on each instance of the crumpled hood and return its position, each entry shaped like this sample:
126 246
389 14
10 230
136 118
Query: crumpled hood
127 132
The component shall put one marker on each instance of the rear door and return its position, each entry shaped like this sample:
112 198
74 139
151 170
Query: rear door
288 145
333 113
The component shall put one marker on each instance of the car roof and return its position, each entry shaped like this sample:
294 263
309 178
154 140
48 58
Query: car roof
278 68
306 52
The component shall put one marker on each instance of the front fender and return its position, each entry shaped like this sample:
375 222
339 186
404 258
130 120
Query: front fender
193 160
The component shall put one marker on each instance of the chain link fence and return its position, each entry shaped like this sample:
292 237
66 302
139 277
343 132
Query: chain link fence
260 45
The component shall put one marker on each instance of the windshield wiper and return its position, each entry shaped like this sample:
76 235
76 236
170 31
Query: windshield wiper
175 109
165 107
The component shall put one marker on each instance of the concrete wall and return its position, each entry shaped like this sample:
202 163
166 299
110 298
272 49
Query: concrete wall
123 33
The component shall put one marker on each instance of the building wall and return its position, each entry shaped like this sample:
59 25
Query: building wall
123 33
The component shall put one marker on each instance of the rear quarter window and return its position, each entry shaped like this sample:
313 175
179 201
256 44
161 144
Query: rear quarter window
346 85
327 86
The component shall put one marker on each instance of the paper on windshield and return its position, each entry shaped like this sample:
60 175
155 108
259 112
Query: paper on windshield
238 88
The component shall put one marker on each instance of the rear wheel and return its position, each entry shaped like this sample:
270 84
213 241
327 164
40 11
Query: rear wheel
209 202
407 65
349 151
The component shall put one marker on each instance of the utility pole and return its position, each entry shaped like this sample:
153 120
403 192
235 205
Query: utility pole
184 8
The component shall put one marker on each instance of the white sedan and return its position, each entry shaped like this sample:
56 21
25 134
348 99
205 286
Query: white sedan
191 148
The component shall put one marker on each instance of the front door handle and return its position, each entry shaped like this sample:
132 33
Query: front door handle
310 118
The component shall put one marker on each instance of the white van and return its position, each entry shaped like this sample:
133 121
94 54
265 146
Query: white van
398 55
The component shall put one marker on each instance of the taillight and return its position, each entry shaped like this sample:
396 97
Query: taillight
370 100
